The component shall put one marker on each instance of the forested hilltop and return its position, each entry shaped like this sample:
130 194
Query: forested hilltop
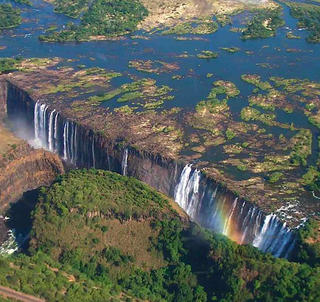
99 236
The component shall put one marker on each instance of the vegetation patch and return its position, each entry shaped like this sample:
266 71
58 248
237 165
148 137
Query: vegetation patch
197 28
103 19
231 49
9 16
252 114
263 24
309 18
291 35
132 246
142 93
207 54
71 8
156 67
255 80
25 2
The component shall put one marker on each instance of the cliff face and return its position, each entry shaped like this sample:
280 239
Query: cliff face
204 200
3 99
22 168
82 145
25 169
3 230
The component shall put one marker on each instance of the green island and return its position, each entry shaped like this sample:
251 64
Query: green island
156 67
290 35
200 27
9 16
309 18
72 9
103 19
263 24
136 245
230 49
207 54
25 2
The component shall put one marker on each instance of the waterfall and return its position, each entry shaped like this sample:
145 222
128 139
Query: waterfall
70 140
40 125
181 189
193 189
65 140
94 157
208 204
43 124
237 219
47 134
55 136
227 223
51 129
36 121
75 144
124 164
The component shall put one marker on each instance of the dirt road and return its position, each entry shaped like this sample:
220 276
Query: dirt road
10 293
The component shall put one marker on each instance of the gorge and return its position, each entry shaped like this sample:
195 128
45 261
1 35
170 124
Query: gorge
206 202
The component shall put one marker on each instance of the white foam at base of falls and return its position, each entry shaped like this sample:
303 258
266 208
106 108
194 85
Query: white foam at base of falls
10 245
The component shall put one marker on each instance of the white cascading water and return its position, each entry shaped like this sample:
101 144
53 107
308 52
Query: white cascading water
124 163
44 128
258 241
51 131
70 142
65 140
227 223
93 154
246 224
55 136
193 189
46 133
36 121
40 125
266 232
180 194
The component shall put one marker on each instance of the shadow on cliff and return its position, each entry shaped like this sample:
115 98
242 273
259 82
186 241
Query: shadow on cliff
20 215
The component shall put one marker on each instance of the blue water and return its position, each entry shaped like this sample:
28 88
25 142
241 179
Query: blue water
194 85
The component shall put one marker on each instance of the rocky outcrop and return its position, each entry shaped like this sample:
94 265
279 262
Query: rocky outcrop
24 169
3 230
3 98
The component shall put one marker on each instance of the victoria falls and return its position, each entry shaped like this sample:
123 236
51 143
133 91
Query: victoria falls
159 150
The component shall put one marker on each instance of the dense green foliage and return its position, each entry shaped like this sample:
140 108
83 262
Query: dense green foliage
40 275
103 18
263 24
71 8
25 2
200 27
309 17
9 16
311 179
308 250
73 258
102 190
8 64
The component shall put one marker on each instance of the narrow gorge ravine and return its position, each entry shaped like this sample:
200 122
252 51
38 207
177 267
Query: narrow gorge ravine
206 202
